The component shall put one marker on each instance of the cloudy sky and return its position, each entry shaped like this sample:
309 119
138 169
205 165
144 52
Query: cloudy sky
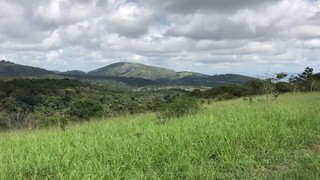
250 37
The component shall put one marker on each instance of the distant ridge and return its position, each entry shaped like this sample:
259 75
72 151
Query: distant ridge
132 74
167 76
75 72
11 69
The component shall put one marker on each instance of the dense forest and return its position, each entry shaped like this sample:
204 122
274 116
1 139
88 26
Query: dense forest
30 103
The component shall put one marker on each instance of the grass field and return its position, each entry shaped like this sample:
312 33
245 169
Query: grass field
226 140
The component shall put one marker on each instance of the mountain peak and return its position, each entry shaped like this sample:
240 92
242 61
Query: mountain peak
129 69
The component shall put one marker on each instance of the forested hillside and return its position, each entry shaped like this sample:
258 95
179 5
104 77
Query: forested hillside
12 69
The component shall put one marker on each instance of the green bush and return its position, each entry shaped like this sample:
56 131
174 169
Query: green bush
156 104
84 109
177 107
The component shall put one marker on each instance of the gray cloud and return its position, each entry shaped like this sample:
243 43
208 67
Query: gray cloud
209 36
190 6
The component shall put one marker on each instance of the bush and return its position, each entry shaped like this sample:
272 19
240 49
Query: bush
177 107
156 105
84 109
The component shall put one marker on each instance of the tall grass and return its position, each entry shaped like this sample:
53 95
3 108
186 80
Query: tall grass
225 140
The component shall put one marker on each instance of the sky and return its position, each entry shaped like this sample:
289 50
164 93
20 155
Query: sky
250 37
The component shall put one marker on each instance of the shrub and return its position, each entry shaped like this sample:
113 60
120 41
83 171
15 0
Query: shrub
177 107
196 93
156 104
85 109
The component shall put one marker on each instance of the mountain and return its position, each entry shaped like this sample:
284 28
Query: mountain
11 69
167 77
130 74
135 70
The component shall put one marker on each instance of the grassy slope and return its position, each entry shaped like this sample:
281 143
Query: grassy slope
233 139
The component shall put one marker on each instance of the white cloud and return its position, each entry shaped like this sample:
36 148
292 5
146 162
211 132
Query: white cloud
54 40
63 12
307 31
314 43
209 36
129 20
54 57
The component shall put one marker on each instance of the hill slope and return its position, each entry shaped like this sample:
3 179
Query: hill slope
227 140
125 69
11 69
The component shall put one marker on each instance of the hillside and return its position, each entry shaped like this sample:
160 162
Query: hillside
11 69
184 74
125 69
227 140
136 70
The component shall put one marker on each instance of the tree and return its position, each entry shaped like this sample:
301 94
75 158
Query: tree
281 75
306 75
293 83
306 80
255 86
270 87
196 93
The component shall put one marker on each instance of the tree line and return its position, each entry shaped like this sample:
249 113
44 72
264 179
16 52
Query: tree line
307 81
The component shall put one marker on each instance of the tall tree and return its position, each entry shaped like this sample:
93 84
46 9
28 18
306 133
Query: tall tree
306 80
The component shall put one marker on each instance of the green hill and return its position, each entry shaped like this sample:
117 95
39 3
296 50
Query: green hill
126 69
11 69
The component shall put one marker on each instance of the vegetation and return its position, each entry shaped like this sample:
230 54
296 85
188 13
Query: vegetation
304 82
85 109
177 106
167 136
226 140
45 102
34 103
12 69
